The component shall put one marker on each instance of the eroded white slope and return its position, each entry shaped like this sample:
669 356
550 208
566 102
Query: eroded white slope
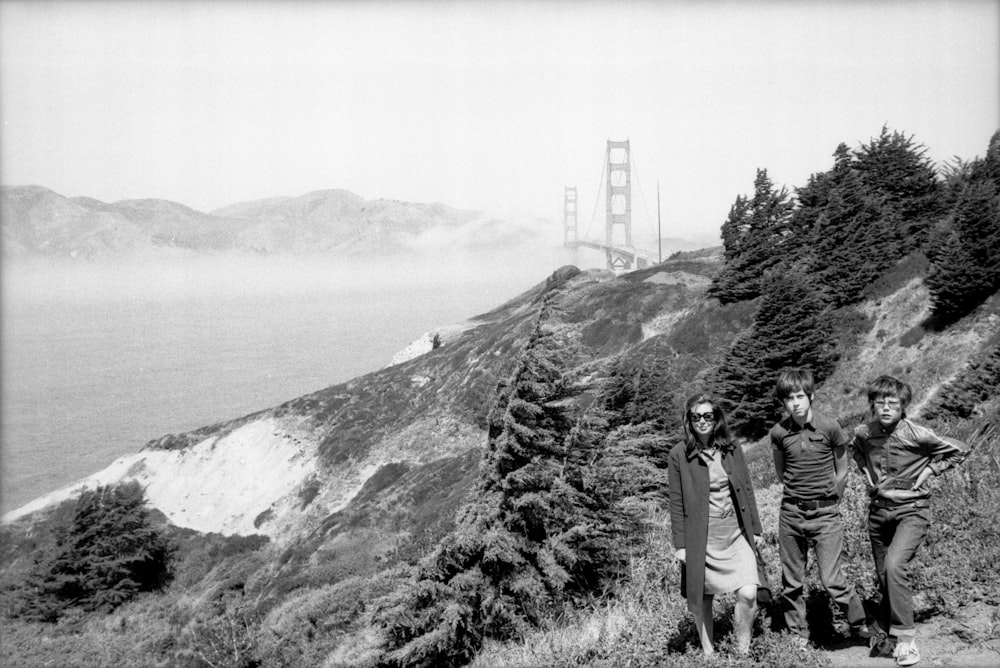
263 477
220 484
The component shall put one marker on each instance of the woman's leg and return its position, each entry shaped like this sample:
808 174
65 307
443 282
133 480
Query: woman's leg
746 610
704 623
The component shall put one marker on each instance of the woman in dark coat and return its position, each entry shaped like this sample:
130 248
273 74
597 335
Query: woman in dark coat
714 520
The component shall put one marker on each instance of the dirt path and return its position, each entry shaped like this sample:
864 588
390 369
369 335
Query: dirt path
970 639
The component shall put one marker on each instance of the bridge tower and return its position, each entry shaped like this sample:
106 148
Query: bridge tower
570 234
618 201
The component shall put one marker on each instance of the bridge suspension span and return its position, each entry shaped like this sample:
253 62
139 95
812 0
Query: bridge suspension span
617 245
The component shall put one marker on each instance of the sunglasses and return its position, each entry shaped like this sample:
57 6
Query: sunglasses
698 417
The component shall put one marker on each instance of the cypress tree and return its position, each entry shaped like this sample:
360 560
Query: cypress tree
965 267
854 240
965 254
898 169
108 553
643 388
544 523
753 238
792 328
812 200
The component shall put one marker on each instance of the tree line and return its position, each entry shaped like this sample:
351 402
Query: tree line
808 257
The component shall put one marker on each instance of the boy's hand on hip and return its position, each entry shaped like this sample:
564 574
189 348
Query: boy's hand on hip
681 555
922 478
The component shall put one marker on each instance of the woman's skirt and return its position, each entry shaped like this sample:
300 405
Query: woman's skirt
730 562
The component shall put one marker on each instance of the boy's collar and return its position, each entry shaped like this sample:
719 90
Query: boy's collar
888 430
808 424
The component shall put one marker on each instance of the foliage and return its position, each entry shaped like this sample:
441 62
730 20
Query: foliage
224 636
645 624
752 237
108 553
309 624
957 564
643 388
898 169
976 384
854 239
123 639
792 328
846 227
544 525
965 252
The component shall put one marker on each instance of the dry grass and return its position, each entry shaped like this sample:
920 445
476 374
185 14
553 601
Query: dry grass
646 623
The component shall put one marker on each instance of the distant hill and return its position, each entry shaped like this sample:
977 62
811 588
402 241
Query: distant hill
37 222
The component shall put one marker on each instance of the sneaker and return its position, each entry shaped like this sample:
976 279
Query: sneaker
906 653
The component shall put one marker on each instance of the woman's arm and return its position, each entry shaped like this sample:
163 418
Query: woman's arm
676 499
744 473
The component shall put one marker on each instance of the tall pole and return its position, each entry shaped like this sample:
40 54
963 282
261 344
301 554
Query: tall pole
659 232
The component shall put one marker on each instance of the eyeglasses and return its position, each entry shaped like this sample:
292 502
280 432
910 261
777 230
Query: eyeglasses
698 417
890 403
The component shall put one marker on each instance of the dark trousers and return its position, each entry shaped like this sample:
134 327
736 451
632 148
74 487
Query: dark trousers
824 530
896 532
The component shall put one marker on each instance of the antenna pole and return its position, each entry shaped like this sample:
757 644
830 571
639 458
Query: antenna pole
659 234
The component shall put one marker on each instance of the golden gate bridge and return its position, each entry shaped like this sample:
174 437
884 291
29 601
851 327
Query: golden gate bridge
619 250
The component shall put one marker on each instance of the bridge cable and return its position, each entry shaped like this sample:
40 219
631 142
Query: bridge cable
597 199
645 205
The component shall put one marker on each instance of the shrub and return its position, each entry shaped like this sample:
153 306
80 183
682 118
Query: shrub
957 564
224 636
108 553
545 525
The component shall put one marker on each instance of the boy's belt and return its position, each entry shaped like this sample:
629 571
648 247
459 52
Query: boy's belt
812 504
882 502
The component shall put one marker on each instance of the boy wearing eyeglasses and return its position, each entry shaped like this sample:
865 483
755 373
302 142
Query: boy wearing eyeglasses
896 457
810 457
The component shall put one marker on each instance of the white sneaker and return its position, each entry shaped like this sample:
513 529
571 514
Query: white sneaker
906 653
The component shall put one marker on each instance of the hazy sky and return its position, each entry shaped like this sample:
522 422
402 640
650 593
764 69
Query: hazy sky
486 105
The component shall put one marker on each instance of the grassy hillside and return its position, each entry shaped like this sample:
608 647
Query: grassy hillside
496 471
310 603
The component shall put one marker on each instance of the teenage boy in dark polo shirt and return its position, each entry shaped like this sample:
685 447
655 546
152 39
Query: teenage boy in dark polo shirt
810 456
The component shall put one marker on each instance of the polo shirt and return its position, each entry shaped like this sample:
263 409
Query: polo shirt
809 454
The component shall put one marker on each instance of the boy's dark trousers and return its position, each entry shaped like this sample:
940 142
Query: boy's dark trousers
896 530
799 525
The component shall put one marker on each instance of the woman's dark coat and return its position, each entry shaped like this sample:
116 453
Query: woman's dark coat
689 490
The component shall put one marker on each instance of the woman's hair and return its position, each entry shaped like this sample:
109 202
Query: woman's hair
887 386
720 437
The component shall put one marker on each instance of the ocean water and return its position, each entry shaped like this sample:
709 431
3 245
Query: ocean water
97 361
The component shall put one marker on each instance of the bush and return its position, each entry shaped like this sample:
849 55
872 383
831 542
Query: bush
957 564
108 553
309 625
